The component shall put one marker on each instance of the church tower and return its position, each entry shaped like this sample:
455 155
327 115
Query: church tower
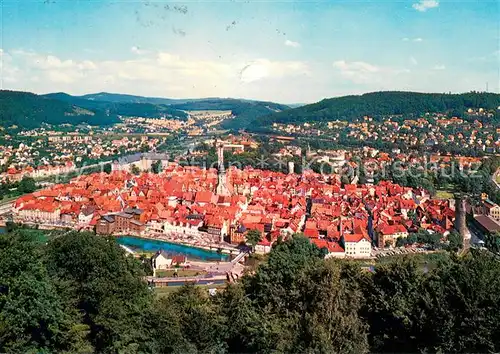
221 172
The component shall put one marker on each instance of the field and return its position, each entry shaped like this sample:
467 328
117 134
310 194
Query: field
424 260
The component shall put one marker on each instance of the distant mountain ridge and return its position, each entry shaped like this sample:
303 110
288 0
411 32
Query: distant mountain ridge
382 104
125 98
124 106
245 111
28 110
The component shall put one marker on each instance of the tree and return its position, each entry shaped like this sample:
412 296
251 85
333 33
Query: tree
106 286
33 317
253 237
401 241
107 168
492 242
455 241
190 321
275 280
135 170
458 296
156 167
392 307
26 185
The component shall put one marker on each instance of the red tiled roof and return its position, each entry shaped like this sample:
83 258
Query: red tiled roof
393 229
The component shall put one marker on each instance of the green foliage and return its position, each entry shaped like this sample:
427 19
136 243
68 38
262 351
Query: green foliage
455 241
32 313
133 109
421 236
135 170
253 237
28 110
156 167
105 285
448 309
80 293
198 317
381 104
492 242
107 168
26 185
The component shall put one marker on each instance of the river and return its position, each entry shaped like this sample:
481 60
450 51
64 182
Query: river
142 244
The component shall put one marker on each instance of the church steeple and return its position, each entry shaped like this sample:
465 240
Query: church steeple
221 171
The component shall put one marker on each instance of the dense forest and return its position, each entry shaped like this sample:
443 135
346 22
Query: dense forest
28 110
139 109
77 292
382 104
124 98
189 104
128 105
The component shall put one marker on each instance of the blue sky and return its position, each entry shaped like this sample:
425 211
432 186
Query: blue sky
282 51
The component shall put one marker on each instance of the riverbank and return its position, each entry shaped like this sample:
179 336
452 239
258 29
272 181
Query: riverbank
153 245
202 245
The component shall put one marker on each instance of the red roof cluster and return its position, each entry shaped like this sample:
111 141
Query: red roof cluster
270 202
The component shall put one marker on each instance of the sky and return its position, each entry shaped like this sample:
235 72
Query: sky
282 51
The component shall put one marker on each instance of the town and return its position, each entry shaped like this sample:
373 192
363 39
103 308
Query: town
216 209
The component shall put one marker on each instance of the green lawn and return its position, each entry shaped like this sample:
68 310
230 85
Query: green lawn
429 260
444 194
181 273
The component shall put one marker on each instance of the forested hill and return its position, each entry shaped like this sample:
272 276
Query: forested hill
382 104
245 111
72 292
123 108
124 98
27 110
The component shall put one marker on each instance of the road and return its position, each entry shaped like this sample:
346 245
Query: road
6 207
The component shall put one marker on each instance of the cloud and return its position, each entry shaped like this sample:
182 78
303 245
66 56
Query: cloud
365 73
418 39
292 44
161 73
413 61
439 67
424 5
137 50
264 68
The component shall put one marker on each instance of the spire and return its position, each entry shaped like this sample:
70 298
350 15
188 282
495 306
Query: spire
221 172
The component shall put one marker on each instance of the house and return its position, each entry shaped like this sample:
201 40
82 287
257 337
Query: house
390 234
161 260
263 246
491 209
106 225
179 260
86 214
334 249
357 245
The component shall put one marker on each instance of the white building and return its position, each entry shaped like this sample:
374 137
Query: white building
357 245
